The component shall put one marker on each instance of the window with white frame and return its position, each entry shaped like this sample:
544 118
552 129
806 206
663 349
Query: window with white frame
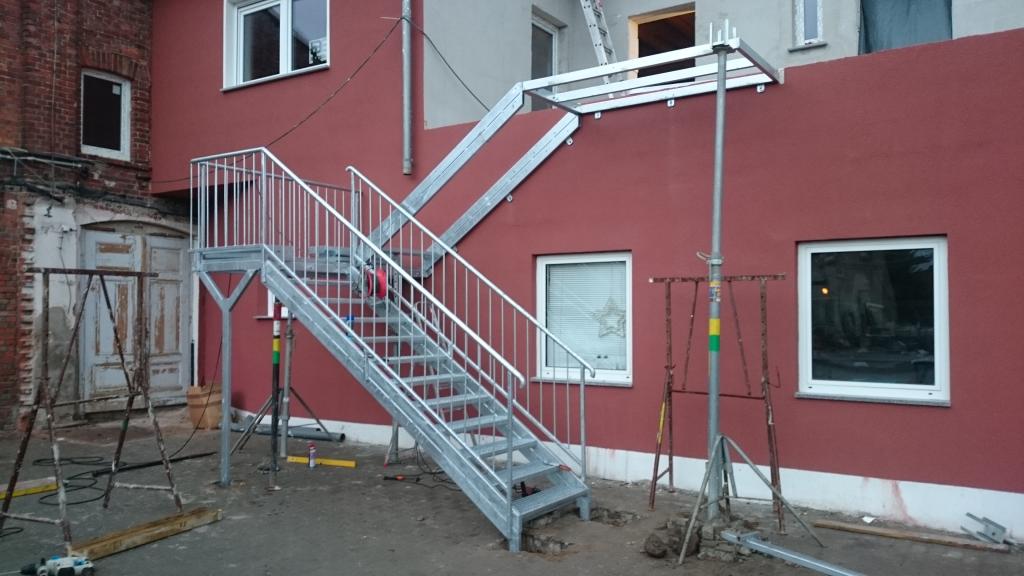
807 22
268 38
106 115
544 40
586 301
874 320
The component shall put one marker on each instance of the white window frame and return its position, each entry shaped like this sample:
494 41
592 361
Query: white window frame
547 25
235 11
798 24
609 377
125 151
937 393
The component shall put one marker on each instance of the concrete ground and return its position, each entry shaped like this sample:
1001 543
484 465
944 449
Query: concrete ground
354 521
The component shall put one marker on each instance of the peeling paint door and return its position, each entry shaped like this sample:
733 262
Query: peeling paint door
133 247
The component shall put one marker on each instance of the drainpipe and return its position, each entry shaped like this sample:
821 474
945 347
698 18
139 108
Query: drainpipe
406 87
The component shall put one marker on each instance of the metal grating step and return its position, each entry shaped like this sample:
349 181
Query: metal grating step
396 339
500 447
457 400
547 500
416 359
521 472
428 379
477 423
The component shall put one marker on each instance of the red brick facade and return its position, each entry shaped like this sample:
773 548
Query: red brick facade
44 46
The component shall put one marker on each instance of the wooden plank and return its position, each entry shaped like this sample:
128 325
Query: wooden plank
26 487
323 461
926 537
145 533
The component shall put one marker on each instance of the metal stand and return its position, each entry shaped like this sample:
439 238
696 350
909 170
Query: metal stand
665 423
136 384
285 405
720 461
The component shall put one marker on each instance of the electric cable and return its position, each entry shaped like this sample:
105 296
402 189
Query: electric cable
446 63
323 103
352 76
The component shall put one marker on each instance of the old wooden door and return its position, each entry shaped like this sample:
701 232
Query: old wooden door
124 246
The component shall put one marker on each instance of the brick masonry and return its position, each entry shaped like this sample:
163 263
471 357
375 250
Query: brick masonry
44 47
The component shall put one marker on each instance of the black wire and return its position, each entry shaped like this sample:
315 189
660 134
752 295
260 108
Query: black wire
77 482
352 76
446 63
340 87
11 531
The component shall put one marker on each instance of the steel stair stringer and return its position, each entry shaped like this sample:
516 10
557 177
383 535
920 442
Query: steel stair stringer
486 487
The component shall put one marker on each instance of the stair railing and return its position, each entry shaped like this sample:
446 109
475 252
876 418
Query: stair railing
251 199
554 401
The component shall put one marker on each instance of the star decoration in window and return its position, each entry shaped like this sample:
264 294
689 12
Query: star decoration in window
611 319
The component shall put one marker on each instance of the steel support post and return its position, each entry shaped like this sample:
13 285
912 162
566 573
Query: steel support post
407 87
226 304
721 50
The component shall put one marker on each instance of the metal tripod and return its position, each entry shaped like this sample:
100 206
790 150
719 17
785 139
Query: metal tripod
285 402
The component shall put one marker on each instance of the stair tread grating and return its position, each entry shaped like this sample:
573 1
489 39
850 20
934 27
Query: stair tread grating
501 446
548 499
476 422
456 399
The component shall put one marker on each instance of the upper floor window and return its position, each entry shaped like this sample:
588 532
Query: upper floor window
807 22
662 31
269 38
885 24
874 320
106 115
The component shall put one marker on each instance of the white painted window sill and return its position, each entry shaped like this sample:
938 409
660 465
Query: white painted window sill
276 77
940 403
809 46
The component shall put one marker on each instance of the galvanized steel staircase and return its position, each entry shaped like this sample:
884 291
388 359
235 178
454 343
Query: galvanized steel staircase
445 355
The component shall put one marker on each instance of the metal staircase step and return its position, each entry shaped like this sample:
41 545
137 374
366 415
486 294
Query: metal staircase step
396 339
349 301
521 472
478 422
456 400
501 447
416 359
428 379
546 500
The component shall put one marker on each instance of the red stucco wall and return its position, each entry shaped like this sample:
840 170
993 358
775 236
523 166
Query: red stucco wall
921 141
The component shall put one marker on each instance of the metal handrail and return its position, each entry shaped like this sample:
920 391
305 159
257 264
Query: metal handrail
383 366
400 270
487 282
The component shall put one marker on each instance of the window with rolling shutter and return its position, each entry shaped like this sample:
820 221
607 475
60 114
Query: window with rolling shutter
585 300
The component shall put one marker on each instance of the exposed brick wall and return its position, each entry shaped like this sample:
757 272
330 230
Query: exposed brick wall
11 208
10 72
44 46
110 36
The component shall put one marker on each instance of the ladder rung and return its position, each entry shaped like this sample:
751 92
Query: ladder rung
477 423
501 447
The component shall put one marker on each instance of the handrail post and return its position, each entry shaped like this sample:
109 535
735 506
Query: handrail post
263 198
508 450
583 423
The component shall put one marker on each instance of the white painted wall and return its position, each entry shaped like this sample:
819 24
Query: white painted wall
488 43
972 17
